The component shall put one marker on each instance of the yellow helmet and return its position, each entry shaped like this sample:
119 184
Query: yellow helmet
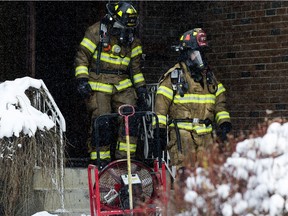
123 13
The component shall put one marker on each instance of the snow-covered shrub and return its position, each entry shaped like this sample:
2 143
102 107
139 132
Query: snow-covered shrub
27 139
252 180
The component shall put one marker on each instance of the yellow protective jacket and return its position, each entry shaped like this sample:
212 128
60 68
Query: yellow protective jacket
197 102
85 63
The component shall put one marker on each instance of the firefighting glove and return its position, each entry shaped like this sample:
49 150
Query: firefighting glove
225 128
142 95
84 88
162 141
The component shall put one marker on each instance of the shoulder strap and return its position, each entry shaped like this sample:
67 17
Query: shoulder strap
102 35
168 72
103 38
174 74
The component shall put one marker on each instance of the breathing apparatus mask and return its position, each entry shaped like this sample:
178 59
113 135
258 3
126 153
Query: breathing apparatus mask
125 35
195 63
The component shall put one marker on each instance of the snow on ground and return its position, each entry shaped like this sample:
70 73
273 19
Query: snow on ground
45 213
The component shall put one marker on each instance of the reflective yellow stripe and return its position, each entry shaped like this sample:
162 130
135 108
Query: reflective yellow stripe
123 147
88 44
103 155
131 11
123 84
81 70
195 98
161 118
102 87
200 129
203 129
138 78
120 13
167 92
136 51
220 90
117 60
222 115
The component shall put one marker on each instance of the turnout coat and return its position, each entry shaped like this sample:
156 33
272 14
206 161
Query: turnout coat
197 103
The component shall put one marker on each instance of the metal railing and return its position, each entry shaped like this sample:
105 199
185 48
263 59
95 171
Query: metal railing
42 100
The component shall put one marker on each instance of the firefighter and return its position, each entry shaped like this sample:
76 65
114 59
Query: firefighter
189 99
108 75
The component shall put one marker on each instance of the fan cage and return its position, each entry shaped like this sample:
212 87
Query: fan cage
110 180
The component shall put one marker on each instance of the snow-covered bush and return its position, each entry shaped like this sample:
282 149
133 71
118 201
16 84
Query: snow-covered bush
27 139
252 180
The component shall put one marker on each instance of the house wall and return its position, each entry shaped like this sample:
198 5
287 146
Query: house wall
249 50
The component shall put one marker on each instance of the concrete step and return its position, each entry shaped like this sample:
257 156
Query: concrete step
74 200
74 178
76 193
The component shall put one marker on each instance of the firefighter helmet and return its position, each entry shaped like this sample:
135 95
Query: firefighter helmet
194 39
192 52
123 13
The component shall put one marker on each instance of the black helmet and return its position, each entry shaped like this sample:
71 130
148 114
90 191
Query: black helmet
191 50
124 13
194 39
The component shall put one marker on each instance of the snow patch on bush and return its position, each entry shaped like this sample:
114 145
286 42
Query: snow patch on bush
256 178
16 113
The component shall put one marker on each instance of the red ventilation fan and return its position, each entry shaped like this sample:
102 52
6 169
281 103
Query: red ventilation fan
109 194
127 186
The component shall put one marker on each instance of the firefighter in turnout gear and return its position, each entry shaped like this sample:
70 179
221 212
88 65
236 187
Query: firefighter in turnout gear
188 100
107 70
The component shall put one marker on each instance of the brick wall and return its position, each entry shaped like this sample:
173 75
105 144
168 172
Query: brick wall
250 57
248 40
161 25
249 50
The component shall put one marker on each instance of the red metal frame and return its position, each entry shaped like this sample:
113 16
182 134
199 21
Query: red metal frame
94 194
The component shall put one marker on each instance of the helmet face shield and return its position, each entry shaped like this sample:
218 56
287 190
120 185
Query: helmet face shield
130 20
201 38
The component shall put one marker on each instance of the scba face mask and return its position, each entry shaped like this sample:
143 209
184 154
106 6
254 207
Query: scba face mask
125 35
196 59
195 64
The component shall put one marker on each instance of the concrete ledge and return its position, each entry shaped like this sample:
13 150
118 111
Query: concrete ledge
76 193
73 178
